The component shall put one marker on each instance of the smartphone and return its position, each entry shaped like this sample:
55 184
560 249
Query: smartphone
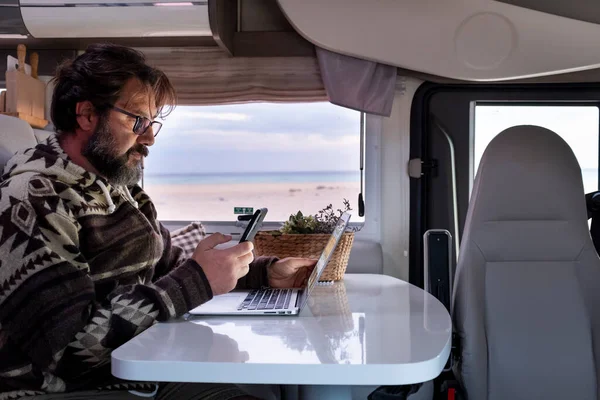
254 225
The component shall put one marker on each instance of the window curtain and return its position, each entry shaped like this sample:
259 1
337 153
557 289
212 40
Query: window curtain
207 76
359 84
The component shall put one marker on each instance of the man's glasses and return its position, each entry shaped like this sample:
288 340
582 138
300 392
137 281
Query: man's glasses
141 123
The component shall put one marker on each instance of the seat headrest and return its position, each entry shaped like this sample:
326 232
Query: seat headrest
15 135
528 201
529 173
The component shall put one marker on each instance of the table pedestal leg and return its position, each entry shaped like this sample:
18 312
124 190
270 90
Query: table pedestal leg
325 392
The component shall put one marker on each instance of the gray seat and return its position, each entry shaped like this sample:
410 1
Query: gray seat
526 301
15 135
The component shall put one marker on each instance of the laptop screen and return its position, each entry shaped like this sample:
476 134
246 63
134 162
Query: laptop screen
332 243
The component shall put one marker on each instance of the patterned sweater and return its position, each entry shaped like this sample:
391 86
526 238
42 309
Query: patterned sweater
84 267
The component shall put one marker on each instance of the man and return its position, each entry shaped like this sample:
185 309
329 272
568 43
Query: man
84 264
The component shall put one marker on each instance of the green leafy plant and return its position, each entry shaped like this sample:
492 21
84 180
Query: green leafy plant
322 222
299 224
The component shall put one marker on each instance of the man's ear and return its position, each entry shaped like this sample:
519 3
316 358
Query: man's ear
87 119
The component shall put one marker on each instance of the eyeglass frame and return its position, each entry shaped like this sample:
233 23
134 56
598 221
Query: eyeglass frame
138 121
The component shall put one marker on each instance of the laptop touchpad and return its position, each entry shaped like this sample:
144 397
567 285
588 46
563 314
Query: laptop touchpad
222 302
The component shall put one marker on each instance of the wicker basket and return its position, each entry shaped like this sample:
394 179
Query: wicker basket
306 246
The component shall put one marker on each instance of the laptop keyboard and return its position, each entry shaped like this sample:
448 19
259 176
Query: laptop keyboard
266 299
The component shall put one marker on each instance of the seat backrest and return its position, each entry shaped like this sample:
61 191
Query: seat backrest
526 300
15 135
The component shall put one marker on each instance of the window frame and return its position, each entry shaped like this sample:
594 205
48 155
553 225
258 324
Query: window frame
370 229
459 101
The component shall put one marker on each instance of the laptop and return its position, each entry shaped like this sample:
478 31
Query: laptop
268 301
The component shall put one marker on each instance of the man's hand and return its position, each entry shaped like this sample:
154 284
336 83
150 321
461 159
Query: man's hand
223 267
290 272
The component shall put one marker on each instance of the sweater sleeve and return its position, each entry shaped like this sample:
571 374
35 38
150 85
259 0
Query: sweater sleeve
48 304
172 256
257 276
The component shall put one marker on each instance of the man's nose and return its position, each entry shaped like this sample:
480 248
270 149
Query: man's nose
147 138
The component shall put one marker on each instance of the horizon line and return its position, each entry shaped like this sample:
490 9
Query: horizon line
249 173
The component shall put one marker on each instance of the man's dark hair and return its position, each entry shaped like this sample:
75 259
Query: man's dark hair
98 76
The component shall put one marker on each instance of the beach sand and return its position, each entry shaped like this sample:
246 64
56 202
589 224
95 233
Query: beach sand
212 202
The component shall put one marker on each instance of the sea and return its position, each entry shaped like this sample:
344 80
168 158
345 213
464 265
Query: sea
590 178
251 177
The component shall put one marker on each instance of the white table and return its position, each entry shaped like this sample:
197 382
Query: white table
364 330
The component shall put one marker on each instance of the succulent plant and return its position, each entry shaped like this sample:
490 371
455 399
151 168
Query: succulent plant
299 224
323 222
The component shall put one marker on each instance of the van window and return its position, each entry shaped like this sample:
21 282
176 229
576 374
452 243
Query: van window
577 125
209 161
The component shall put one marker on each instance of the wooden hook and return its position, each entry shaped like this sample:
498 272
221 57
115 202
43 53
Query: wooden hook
34 61
21 52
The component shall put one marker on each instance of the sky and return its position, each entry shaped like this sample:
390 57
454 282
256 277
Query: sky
270 137
577 125
257 137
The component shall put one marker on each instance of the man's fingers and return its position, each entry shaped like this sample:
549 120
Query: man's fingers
214 240
304 262
246 259
297 263
240 249
243 271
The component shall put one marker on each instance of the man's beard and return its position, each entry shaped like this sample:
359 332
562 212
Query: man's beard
101 152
